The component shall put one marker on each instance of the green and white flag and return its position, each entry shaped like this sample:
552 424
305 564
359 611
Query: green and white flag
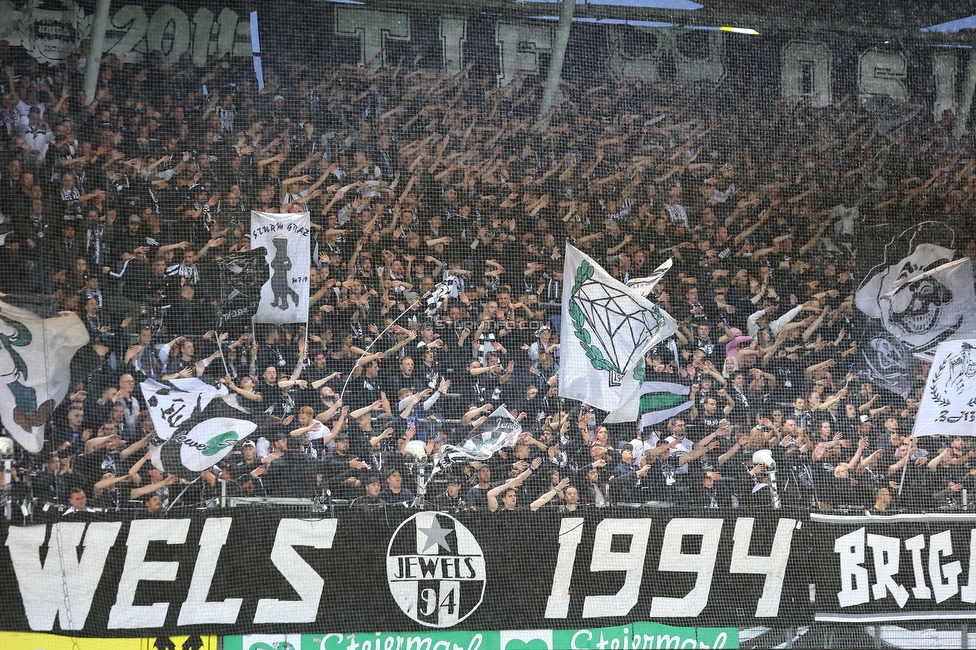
660 400
649 400
35 369
607 328
203 439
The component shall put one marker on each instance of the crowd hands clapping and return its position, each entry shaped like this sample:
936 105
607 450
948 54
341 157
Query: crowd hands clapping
417 179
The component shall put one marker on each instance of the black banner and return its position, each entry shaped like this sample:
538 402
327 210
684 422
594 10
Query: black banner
895 568
248 570
241 277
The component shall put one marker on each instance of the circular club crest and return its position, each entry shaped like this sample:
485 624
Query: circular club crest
435 569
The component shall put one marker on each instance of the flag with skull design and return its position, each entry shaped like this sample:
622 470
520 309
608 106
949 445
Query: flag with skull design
918 293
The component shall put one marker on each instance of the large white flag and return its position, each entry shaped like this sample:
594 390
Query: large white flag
612 326
919 293
948 405
35 369
284 297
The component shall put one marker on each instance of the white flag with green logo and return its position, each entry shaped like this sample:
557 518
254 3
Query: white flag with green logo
203 439
35 369
607 328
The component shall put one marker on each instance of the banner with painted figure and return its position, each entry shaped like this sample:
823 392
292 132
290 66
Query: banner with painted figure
948 404
35 369
602 358
918 294
284 297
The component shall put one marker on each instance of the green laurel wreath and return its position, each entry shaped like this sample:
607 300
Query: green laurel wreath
639 373
593 353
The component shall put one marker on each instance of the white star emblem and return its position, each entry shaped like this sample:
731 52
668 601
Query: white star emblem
436 536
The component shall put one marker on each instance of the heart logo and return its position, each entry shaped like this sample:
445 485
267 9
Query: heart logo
532 644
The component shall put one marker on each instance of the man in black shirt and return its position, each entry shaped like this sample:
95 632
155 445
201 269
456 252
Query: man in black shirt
54 483
451 500
272 397
477 497
241 470
405 377
371 499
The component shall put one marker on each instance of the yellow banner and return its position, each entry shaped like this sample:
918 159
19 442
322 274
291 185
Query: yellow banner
32 641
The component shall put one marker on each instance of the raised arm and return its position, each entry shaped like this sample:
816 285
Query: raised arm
548 496
140 492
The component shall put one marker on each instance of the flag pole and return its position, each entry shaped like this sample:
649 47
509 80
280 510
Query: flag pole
222 359
179 496
373 342
253 361
904 468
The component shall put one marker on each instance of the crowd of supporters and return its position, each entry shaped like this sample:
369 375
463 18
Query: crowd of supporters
414 178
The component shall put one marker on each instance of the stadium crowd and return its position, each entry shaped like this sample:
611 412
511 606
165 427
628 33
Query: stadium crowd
415 178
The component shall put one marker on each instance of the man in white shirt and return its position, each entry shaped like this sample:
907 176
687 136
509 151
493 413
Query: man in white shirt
36 134
79 503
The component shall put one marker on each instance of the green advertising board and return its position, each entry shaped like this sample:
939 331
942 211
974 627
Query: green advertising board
638 636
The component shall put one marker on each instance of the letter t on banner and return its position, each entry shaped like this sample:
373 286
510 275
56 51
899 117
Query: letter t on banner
256 50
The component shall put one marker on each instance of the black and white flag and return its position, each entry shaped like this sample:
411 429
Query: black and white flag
172 403
203 439
918 294
499 430
242 276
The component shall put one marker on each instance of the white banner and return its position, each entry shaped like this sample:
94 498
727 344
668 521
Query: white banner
919 294
948 405
285 237
35 369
